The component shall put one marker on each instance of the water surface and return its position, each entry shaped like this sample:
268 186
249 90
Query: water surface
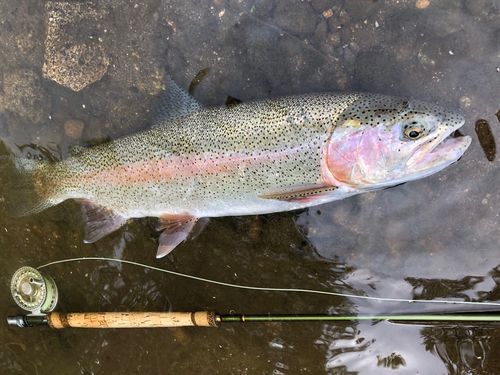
430 239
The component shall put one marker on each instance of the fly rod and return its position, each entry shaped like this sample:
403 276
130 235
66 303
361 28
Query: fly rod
37 293
210 319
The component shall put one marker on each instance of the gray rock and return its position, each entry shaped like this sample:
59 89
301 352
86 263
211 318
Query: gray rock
360 10
296 17
482 7
339 20
262 8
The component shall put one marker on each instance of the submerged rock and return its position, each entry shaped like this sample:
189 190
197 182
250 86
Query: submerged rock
74 128
74 55
21 93
296 17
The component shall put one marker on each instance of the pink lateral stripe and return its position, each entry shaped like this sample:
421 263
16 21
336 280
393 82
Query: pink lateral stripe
182 167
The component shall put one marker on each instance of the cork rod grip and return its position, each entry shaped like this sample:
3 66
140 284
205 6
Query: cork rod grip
131 319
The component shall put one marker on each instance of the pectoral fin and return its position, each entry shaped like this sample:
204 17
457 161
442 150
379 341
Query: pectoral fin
99 221
175 229
301 194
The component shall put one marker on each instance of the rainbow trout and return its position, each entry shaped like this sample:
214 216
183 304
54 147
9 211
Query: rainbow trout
254 158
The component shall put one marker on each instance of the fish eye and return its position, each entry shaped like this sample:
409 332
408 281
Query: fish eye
413 134
413 131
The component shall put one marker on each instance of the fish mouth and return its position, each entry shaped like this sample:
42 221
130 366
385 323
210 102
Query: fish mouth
441 151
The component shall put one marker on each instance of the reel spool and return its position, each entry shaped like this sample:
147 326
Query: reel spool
33 291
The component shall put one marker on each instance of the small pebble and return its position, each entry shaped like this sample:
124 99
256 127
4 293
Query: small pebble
422 4
465 101
328 13
73 128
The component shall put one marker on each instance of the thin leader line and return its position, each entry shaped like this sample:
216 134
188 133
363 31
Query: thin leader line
271 289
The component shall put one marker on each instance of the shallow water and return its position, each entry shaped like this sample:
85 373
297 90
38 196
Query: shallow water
430 239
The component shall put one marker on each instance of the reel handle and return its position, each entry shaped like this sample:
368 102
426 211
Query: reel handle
131 319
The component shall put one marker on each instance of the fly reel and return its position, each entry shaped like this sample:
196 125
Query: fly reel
33 291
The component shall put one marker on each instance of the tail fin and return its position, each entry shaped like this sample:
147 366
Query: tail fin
23 185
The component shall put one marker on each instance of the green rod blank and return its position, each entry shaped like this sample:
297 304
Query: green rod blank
403 317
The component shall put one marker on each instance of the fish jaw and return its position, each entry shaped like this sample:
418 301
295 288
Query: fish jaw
440 152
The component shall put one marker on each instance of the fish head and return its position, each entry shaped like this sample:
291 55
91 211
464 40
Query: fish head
382 141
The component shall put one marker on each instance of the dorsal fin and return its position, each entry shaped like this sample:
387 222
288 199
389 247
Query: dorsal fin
174 102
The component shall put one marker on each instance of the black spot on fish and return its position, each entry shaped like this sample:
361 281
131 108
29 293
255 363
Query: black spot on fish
486 139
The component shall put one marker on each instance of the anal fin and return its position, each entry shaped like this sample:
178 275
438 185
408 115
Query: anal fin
175 229
99 221
300 194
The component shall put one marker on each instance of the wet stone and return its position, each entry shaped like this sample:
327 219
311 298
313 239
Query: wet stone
360 10
74 128
19 38
262 8
334 38
21 93
370 71
74 55
320 35
422 4
481 7
339 20
328 13
295 17
465 102
405 51
442 22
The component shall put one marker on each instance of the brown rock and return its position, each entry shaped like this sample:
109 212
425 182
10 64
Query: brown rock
328 13
22 93
422 4
74 128
74 56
